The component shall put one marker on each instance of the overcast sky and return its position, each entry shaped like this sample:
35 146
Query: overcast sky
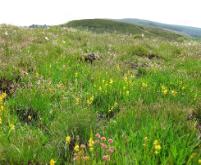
26 12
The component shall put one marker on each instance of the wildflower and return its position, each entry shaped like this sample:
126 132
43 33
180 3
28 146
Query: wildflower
157 147
68 139
174 93
106 157
76 148
91 144
77 100
164 90
199 161
125 78
46 38
98 135
82 146
29 117
0 121
6 33
145 141
103 145
90 100
52 162
1 108
110 141
85 158
111 81
2 96
111 150
103 138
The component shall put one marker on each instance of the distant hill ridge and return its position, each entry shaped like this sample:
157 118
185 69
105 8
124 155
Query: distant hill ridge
187 30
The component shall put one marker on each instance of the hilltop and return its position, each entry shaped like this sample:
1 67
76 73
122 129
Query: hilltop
105 25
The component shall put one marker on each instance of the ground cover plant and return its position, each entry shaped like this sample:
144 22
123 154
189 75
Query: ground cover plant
136 102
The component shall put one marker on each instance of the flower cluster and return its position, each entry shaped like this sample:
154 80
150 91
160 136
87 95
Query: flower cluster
165 91
2 97
156 146
106 146
113 108
79 150
90 100
92 149
145 142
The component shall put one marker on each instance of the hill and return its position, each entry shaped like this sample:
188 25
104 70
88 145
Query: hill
104 25
187 30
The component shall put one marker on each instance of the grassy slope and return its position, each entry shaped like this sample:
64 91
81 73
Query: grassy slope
187 30
58 95
103 25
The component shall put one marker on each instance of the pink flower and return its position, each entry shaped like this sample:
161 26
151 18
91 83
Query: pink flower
110 141
106 157
103 145
103 138
111 150
98 135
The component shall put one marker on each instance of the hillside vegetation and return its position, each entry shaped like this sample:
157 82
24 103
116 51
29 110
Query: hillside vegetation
186 30
136 102
104 25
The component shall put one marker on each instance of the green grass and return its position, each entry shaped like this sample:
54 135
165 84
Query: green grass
124 95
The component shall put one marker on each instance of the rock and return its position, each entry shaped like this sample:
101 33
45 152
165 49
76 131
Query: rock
91 57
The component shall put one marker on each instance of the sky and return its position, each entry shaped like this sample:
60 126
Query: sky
52 12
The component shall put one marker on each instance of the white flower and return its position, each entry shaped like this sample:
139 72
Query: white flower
46 38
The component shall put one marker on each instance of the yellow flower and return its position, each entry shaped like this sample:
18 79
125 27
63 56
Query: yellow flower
52 162
77 100
125 78
76 148
199 161
0 121
90 100
68 139
90 142
164 90
157 146
174 93
1 108
3 95
156 142
111 81
85 158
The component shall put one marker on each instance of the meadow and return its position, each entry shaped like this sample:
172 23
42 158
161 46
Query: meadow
138 103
